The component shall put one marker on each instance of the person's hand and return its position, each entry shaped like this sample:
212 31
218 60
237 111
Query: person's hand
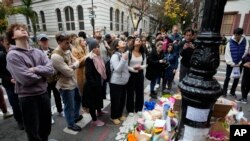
137 67
72 67
13 81
125 56
174 71
162 61
175 42
247 65
186 45
32 69
106 45
236 65
191 45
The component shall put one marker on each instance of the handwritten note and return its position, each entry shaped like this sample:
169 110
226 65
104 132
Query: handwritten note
195 114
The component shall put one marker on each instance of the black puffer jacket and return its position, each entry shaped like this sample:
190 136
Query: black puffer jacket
155 68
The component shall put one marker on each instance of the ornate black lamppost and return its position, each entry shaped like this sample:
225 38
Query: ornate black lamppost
92 21
199 89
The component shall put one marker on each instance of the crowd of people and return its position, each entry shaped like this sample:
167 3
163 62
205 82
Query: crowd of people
79 69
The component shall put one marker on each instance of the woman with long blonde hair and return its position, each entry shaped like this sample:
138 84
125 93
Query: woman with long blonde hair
80 52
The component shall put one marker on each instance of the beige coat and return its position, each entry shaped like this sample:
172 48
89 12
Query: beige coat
80 54
63 63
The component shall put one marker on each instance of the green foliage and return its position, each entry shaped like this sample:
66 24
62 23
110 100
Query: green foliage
27 11
3 20
168 23
27 3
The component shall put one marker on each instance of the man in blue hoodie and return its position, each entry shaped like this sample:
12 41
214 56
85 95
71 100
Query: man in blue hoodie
29 68
236 49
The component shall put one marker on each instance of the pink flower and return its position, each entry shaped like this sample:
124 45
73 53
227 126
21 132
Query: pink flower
217 134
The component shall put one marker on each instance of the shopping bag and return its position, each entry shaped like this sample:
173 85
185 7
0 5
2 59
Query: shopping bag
235 72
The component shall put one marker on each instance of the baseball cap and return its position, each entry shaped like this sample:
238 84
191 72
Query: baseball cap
42 36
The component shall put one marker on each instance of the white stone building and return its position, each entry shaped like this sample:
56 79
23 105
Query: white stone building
236 14
111 16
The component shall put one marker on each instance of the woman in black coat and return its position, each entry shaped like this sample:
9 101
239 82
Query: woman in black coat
95 75
156 65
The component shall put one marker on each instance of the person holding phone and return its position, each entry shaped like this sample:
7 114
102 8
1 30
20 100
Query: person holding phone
187 49
156 63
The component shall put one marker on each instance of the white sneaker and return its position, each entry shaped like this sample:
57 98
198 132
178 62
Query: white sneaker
7 115
139 114
157 86
131 114
61 114
52 120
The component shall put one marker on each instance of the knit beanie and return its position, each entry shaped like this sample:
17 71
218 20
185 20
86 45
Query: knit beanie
92 44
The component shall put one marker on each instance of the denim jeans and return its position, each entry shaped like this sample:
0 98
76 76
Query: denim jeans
153 82
36 112
72 102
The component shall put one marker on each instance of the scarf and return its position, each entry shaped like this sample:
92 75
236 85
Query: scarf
99 64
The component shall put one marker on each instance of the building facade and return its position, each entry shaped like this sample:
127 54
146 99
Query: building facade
111 16
236 14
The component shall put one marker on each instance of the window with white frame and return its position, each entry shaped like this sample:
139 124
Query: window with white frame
122 21
111 18
43 21
37 22
28 23
117 17
69 18
80 17
59 19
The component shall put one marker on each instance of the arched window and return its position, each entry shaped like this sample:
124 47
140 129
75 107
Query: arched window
111 18
122 21
59 19
43 20
69 17
37 22
80 17
117 13
28 23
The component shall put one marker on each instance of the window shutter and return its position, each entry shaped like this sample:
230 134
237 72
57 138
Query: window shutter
237 21
246 22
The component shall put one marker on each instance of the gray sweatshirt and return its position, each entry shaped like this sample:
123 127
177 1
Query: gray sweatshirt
119 67
29 83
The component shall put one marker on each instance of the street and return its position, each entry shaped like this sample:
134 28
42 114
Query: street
10 132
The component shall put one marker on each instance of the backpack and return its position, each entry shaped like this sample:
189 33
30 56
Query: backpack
108 68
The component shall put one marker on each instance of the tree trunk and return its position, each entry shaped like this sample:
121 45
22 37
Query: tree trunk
33 22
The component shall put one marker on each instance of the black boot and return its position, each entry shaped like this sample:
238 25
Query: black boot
153 95
20 125
169 85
